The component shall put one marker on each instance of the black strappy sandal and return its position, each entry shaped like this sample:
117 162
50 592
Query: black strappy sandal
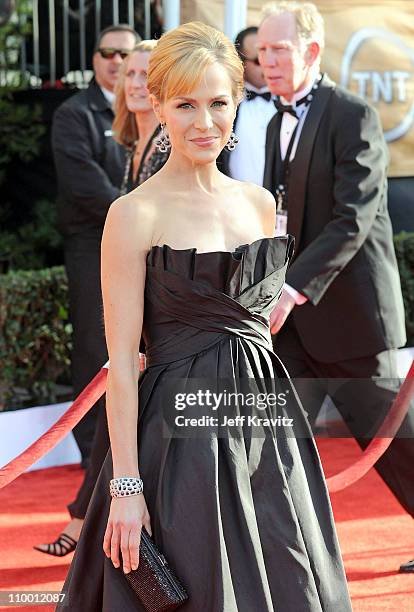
60 547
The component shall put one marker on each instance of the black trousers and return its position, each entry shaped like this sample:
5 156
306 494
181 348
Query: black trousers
363 391
82 260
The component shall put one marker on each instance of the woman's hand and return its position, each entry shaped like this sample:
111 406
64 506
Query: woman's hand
126 518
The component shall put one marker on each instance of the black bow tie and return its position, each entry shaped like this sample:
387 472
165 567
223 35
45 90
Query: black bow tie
288 108
251 95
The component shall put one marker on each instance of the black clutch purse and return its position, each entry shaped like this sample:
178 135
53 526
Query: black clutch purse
155 585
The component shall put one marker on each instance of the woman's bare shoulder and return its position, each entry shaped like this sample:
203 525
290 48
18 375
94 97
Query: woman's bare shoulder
264 204
258 195
133 217
137 202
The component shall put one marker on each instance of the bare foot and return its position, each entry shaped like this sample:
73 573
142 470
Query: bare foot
72 529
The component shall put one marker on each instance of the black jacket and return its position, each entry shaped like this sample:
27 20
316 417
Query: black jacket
89 163
337 210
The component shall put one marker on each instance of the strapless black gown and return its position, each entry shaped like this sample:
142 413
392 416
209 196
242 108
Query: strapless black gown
246 524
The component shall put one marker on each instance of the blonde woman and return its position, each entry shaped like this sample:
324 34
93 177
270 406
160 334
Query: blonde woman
135 125
189 260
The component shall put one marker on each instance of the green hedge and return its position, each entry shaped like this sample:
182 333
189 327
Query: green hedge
35 334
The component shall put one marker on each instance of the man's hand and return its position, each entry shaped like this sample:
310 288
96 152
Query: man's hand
142 362
281 312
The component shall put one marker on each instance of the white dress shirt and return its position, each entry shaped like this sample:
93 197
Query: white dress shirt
289 122
109 95
247 161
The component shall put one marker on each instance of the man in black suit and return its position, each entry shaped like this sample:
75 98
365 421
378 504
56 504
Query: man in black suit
341 313
90 168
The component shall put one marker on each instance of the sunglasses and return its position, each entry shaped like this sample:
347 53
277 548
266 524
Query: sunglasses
110 52
255 60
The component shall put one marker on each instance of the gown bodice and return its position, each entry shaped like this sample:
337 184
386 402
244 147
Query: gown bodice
192 299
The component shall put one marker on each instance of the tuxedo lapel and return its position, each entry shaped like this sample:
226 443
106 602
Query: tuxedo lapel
297 183
272 148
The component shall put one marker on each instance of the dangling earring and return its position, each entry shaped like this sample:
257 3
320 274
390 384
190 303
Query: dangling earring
163 142
232 142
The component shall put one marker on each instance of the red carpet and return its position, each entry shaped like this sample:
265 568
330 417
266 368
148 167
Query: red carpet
376 535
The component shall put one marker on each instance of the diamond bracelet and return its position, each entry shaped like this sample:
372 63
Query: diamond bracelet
125 485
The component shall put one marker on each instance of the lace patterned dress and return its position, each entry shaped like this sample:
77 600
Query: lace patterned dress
147 167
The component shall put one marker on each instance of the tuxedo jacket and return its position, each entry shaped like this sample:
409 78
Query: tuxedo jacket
344 258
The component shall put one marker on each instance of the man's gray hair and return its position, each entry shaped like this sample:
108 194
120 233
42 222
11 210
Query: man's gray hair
309 21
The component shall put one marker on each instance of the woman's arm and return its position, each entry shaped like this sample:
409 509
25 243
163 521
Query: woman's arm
125 244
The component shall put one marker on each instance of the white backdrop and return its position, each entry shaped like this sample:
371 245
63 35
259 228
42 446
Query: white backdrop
20 428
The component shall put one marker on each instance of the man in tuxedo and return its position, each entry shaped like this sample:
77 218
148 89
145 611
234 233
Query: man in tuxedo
246 162
340 318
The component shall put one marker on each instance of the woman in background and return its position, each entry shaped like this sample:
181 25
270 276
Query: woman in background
135 125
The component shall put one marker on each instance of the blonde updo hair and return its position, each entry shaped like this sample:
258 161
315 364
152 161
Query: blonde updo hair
124 126
182 55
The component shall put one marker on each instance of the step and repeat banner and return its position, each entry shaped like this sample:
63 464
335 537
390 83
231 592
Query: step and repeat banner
369 50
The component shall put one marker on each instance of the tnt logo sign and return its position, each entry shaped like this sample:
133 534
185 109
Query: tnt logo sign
379 66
